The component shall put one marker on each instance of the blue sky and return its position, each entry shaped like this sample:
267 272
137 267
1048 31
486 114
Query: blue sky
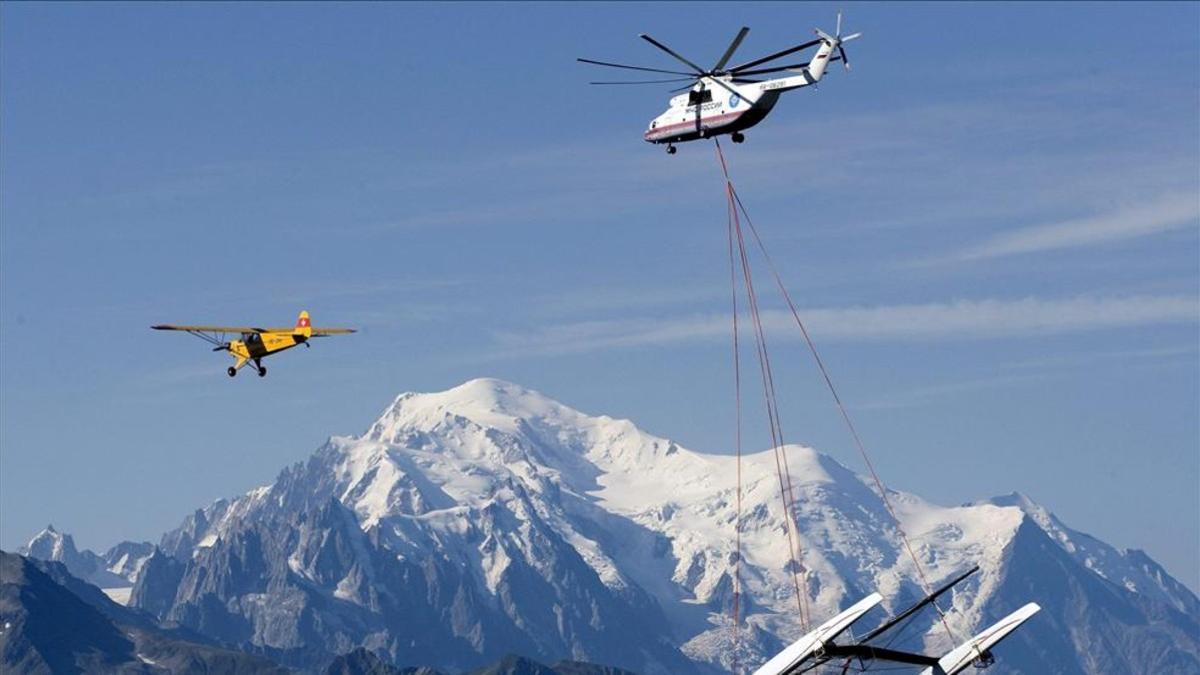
991 223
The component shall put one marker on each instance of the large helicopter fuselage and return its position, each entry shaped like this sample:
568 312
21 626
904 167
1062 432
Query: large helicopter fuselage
726 113
709 110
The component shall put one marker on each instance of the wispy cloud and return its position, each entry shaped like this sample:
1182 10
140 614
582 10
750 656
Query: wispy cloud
592 300
962 319
1150 355
923 395
1168 212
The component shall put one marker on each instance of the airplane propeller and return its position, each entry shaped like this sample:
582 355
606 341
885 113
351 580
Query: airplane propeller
222 347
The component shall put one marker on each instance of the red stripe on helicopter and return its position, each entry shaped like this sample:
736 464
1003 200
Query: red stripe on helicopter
704 121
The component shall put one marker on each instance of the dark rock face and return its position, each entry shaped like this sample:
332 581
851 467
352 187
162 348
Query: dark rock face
72 627
580 668
1117 630
299 587
50 630
518 665
363 662
515 665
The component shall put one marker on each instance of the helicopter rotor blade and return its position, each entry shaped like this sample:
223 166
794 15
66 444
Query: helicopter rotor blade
676 79
777 69
656 43
737 40
750 64
621 65
842 54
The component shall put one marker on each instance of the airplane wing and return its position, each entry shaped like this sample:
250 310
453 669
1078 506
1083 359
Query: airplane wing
251 329
316 332
214 329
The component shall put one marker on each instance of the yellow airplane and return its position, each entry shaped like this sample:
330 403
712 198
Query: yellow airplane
257 343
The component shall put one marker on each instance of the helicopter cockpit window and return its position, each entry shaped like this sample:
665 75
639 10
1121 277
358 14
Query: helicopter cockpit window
695 97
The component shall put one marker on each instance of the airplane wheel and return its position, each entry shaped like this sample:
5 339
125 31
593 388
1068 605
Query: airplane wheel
231 371
738 138
671 149
262 371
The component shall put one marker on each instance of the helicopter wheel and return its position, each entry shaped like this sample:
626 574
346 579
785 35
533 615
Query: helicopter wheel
231 371
671 149
737 137
262 371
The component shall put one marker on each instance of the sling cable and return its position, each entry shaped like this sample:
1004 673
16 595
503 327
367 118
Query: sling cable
739 260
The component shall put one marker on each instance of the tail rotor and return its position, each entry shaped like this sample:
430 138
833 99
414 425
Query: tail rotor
837 40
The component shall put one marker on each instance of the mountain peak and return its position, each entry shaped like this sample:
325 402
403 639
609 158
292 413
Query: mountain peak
50 544
486 402
1015 498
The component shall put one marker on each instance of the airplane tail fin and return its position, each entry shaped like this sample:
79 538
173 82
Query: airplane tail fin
975 650
303 325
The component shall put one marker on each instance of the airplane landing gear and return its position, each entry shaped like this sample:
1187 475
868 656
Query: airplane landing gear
231 371
737 137
671 149
262 371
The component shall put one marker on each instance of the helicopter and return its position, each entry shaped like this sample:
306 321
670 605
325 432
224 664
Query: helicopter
723 100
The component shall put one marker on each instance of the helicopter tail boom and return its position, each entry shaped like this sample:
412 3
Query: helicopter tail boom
820 60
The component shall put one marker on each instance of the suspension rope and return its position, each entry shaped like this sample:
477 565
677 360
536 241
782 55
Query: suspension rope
777 441
786 489
882 489
737 392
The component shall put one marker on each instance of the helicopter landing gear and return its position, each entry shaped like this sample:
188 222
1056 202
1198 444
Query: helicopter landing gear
231 371
737 137
671 149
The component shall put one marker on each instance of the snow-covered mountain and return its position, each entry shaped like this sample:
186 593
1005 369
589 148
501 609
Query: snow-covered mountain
117 568
488 519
